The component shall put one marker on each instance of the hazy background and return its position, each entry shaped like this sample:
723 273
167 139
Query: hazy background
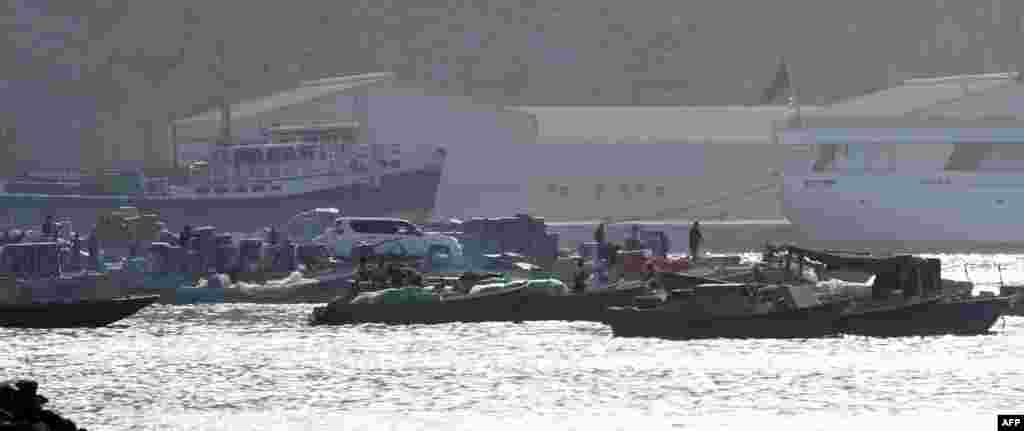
116 70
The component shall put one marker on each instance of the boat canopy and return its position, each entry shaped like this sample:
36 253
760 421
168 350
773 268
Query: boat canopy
862 262
910 274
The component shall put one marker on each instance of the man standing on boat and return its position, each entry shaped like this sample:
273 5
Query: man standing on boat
634 243
579 279
49 228
76 252
600 236
696 240
186 235
94 250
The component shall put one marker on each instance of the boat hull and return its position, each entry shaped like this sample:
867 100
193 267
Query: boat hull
503 306
950 211
808 322
589 306
325 288
398 194
935 317
81 314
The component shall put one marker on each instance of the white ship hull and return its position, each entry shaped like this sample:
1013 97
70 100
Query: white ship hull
915 209
585 182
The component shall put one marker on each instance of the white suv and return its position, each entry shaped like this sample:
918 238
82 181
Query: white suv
394 235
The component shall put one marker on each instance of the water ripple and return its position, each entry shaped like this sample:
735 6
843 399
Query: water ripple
218 367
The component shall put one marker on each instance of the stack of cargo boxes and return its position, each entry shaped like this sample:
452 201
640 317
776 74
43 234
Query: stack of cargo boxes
522 234
208 250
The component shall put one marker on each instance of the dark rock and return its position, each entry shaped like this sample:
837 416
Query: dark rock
21 408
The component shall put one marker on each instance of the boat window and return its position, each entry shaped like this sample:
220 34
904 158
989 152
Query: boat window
240 189
259 188
827 154
659 191
249 155
308 152
563 191
991 156
275 187
220 189
383 227
202 190
284 154
552 188
639 188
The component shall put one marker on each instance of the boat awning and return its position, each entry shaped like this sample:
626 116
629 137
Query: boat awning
872 264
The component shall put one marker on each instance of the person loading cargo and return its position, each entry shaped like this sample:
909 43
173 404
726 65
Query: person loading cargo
696 240
634 243
579 279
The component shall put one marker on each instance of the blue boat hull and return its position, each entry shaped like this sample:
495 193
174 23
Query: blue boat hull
399 193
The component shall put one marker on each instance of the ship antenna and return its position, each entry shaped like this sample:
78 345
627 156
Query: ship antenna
224 106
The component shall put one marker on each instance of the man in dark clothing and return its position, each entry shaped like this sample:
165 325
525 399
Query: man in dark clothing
76 251
579 279
600 233
49 228
272 236
185 237
634 243
601 237
362 273
94 250
696 240
651 277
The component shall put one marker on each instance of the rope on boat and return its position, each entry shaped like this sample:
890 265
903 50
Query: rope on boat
693 206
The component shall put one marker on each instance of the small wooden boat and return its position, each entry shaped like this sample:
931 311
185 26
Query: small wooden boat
728 311
491 306
88 313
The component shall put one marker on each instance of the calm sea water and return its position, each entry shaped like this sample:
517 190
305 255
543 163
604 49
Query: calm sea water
256 367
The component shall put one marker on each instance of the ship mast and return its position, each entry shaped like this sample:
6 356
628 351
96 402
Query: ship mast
223 105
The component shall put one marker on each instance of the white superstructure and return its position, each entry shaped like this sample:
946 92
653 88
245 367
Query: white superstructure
945 169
